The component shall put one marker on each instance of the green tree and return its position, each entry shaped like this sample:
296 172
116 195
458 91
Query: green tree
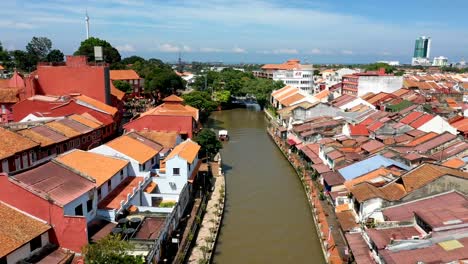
5 58
39 47
377 66
202 101
110 249
23 60
132 60
222 96
55 55
123 86
210 145
111 54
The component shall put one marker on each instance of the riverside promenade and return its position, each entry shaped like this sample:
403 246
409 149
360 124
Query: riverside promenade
328 229
207 236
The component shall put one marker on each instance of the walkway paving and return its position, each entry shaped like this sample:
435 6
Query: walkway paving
211 223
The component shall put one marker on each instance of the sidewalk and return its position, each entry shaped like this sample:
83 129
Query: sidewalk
206 239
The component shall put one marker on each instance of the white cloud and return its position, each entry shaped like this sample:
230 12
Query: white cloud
167 47
285 51
347 52
15 25
239 50
315 51
210 50
126 48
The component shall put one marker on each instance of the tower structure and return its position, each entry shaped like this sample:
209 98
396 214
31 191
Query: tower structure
87 24
422 51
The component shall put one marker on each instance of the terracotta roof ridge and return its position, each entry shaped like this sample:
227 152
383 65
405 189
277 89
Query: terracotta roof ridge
81 174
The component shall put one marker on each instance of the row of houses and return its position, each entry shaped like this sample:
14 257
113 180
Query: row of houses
81 196
385 172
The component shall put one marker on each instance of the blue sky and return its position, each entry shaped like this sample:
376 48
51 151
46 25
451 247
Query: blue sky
338 31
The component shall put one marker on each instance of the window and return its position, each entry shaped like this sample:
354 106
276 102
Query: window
189 166
83 140
36 243
121 175
109 185
175 171
79 210
144 166
99 194
89 205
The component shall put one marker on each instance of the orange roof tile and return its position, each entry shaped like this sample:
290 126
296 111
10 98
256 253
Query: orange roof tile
9 95
455 163
36 137
97 166
173 98
421 139
12 143
188 150
323 94
85 121
282 90
97 104
369 177
461 125
292 99
426 173
173 110
133 148
1 67
116 92
63 129
124 75
166 139
18 228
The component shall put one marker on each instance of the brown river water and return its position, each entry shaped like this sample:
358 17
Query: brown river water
267 218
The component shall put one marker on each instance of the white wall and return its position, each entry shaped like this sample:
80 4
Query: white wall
438 125
25 250
69 209
355 102
378 84
369 208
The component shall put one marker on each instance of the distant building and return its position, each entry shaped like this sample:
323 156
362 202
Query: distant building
422 50
374 81
440 61
292 73
129 76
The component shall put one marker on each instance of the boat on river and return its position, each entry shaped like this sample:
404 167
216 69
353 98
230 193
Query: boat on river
223 135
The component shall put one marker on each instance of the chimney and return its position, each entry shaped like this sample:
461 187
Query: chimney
107 92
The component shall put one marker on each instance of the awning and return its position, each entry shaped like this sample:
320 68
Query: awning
293 140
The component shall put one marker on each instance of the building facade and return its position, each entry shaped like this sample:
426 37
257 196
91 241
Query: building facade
422 51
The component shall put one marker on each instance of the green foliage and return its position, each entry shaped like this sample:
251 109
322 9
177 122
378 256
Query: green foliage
111 54
110 249
238 83
453 69
202 101
400 106
222 96
123 86
316 72
210 145
55 55
321 196
39 48
23 60
377 66
168 204
132 60
5 58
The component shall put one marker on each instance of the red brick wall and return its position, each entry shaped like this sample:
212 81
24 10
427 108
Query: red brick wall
68 232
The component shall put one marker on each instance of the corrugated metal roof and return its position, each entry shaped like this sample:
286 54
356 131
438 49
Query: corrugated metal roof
60 184
49 133
365 166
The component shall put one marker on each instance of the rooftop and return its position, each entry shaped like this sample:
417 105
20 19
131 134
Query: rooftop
17 229
88 101
119 194
55 182
13 143
97 166
166 139
124 75
133 148
365 166
187 150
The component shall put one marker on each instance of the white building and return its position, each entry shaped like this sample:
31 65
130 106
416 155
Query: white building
440 61
391 63
292 73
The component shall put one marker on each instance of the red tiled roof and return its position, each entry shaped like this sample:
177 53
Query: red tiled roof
461 125
372 146
358 245
383 237
421 120
358 130
333 178
112 200
455 163
411 117
124 75
375 126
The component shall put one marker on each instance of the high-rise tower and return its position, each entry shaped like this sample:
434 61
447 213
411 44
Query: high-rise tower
422 51
87 24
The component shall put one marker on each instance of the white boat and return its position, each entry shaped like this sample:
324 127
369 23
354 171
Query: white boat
223 135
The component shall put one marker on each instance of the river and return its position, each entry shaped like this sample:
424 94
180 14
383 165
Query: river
267 218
